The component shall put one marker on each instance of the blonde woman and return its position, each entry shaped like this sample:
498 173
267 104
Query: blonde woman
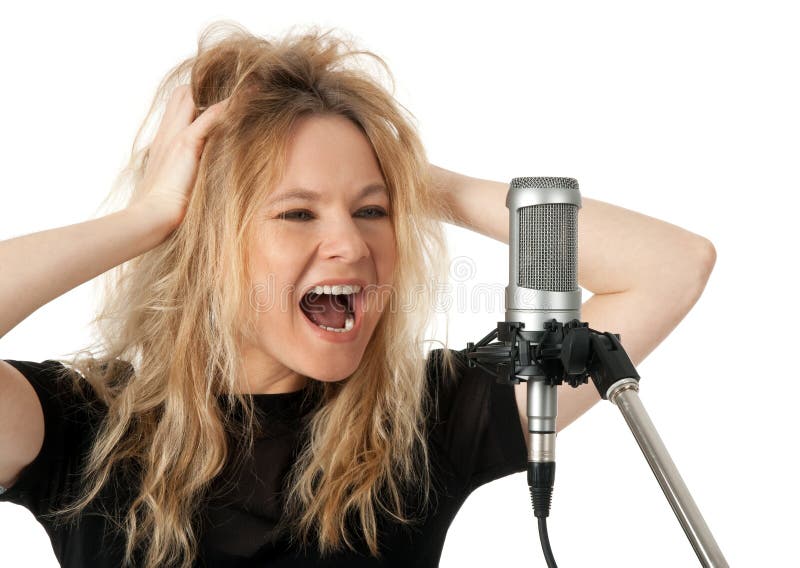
258 394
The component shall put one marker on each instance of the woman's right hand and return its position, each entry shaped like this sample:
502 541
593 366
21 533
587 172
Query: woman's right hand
174 157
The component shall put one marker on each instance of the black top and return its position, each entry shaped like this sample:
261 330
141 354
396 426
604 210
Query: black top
475 437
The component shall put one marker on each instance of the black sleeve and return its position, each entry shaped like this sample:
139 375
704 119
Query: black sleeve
51 477
477 424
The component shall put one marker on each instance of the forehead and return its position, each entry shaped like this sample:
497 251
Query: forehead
327 155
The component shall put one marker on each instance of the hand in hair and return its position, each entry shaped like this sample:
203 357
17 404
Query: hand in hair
174 156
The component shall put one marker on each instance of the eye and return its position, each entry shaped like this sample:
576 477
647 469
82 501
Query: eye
305 215
377 212
294 215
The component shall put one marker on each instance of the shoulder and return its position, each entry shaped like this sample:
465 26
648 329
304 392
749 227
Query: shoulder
61 390
445 366
444 371
69 414
475 420
455 382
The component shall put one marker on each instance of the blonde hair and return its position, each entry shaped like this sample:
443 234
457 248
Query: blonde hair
166 363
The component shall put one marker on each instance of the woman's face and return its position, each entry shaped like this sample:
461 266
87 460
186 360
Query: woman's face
339 233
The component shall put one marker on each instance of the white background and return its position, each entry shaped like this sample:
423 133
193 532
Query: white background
684 111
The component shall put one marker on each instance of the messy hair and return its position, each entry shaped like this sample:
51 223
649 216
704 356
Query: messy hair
166 362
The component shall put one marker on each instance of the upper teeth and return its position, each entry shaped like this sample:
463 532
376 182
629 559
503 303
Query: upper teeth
338 289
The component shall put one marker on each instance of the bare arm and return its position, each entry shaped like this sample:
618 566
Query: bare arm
40 267
37 268
645 274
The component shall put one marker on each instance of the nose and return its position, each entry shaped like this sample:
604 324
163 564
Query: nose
343 239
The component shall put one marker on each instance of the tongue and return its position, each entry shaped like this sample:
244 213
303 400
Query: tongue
325 309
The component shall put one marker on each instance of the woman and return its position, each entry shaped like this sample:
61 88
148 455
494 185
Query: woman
235 411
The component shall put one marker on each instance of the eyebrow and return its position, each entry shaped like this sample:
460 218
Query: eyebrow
311 195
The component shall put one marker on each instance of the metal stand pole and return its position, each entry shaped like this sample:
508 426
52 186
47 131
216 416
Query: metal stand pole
624 394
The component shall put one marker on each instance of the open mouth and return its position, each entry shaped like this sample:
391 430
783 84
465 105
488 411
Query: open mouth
334 311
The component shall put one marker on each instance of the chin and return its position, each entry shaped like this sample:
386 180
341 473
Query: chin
329 373
328 379
326 376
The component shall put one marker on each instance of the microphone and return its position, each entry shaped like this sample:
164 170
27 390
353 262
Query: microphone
542 285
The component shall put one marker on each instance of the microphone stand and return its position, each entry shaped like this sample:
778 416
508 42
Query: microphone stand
571 353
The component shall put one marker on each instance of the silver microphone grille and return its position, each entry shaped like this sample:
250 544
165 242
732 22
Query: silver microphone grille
544 182
548 238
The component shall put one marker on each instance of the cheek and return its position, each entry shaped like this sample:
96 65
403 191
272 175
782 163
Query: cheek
270 294
275 330
388 252
276 255
391 260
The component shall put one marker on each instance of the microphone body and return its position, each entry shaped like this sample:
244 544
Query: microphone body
542 285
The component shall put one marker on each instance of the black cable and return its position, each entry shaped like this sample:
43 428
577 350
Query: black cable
548 552
541 476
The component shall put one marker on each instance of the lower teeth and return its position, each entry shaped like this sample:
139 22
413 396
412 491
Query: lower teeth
348 325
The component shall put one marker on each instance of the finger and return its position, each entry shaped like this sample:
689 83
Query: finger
203 123
178 115
178 94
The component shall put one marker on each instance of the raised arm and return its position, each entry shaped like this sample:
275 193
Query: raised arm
37 268
645 274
